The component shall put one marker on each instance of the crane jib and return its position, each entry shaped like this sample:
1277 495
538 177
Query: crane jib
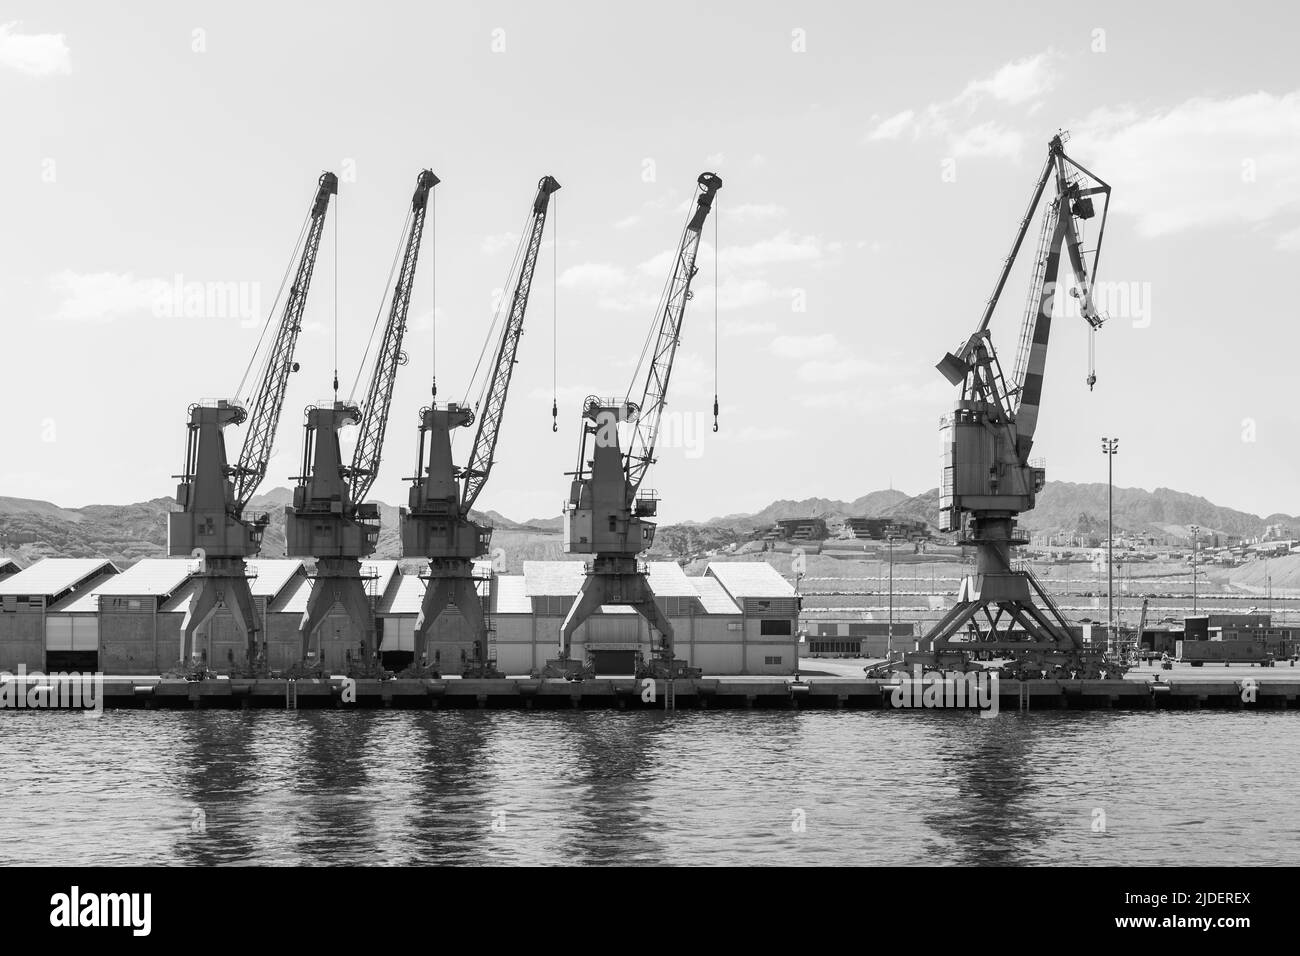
489 424
640 454
379 394
256 451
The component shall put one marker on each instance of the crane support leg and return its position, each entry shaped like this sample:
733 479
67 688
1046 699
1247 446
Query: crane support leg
436 597
217 589
630 590
339 581
458 589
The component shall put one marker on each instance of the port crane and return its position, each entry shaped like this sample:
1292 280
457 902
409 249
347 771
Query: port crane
989 476
608 512
211 522
330 519
437 526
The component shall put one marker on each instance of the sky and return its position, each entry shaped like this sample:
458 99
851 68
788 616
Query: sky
876 163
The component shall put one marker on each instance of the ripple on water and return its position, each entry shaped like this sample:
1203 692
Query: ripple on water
499 787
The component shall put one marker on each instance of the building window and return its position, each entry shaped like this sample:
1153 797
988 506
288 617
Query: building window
771 660
776 627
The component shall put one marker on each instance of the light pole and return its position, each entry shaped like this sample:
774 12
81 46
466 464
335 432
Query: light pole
1196 547
889 633
1109 448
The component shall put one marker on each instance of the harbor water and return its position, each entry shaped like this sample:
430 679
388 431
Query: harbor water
607 787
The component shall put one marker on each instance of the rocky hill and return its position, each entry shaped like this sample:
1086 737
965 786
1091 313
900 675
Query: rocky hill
125 533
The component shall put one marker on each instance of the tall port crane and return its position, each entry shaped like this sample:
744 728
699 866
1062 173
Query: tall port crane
437 525
608 512
329 518
989 477
210 521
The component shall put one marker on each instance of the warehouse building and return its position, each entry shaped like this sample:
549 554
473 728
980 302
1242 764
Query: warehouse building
29 598
68 614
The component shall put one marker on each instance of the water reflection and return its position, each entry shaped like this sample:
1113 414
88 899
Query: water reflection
612 762
992 821
216 768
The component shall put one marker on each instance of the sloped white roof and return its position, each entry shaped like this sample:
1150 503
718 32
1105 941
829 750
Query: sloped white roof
151 576
293 599
564 579
272 575
52 576
404 597
667 579
78 602
378 575
553 578
750 579
713 597
511 596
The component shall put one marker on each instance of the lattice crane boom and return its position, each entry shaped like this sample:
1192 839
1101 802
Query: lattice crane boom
641 449
265 418
379 395
480 463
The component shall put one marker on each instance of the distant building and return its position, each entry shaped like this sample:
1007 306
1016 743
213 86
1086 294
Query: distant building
803 529
875 529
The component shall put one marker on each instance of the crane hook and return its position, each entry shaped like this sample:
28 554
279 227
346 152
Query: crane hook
555 416
715 413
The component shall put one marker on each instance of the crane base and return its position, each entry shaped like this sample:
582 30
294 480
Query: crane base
482 672
667 668
568 669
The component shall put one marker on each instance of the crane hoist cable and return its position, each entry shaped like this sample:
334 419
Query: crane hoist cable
336 300
717 214
653 331
490 338
388 288
271 313
555 308
433 307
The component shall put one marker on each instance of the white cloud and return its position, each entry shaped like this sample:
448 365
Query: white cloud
598 276
1201 163
737 327
499 243
1020 83
736 293
894 126
715 159
753 433
104 296
836 370
987 139
424 321
1289 241
627 222
784 247
36 54
804 346
754 212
